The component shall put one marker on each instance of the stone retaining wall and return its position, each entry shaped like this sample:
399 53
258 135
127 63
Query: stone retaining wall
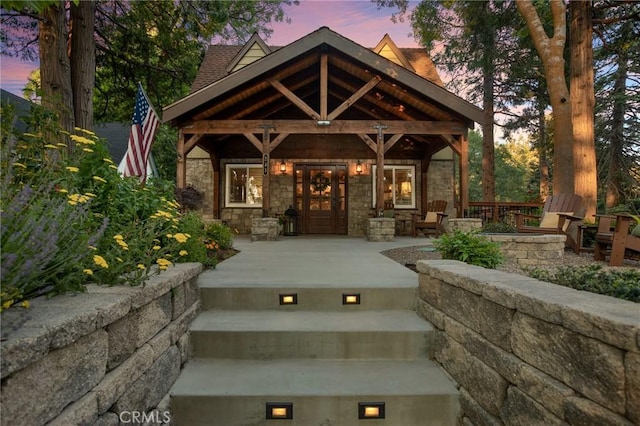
530 249
100 357
527 352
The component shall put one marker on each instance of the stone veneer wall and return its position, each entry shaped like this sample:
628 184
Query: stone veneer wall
440 185
86 358
526 352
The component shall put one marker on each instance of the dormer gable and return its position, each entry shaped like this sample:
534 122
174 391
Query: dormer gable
253 50
388 49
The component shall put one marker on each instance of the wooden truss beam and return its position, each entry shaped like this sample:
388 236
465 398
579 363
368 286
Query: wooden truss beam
217 127
294 99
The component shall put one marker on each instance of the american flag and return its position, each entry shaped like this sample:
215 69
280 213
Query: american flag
143 128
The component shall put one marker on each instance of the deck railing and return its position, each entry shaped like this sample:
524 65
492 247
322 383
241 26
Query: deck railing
500 211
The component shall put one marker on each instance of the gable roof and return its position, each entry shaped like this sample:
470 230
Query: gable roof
212 84
221 59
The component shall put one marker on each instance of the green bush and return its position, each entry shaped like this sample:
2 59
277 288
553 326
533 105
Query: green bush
469 247
68 218
218 236
623 284
498 228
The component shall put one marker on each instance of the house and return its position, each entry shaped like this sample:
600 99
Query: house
309 123
115 134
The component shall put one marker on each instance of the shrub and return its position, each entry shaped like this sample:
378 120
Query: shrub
623 284
498 228
469 247
218 236
68 218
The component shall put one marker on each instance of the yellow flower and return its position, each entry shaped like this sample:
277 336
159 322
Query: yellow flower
99 179
111 166
62 145
88 271
180 237
92 248
62 190
123 244
77 198
82 140
119 259
7 304
183 253
89 194
80 129
141 266
108 160
163 264
25 304
72 169
72 203
20 165
156 247
87 149
99 260
50 146
118 237
169 236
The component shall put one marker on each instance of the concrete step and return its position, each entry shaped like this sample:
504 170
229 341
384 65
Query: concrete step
310 334
323 392
215 295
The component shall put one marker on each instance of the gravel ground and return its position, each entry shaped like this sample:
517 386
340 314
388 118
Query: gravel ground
409 256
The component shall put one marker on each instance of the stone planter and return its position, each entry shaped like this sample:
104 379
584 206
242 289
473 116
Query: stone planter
381 229
265 229
530 249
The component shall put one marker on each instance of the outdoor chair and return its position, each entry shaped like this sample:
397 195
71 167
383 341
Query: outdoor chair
558 213
616 241
432 222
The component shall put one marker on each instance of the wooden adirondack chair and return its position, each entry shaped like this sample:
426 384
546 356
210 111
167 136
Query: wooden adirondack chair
617 242
558 213
432 221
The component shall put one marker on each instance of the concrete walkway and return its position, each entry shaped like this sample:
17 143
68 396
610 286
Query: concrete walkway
316 261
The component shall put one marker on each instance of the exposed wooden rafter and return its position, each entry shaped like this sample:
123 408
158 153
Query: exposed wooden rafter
335 127
294 99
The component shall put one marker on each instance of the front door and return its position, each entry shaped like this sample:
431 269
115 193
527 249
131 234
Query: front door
321 197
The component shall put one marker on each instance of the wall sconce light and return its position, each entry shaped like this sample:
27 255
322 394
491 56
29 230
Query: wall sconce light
289 299
279 410
283 167
359 167
351 299
370 410
323 123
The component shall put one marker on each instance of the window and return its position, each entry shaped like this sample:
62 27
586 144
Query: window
243 185
399 184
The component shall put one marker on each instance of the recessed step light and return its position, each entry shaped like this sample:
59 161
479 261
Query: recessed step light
289 299
370 410
350 298
279 410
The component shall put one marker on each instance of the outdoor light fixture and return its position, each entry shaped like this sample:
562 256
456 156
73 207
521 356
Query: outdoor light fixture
324 123
370 410
289 299
351 299
279 410
283 167
359 167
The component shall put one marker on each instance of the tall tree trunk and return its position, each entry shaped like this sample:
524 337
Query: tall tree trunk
583 105
543 167
83 60
551 51
54 65
488 151
615 194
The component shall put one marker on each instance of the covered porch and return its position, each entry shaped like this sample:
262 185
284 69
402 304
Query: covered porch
326 126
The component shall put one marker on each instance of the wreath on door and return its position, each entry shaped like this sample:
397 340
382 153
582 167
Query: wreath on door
320 182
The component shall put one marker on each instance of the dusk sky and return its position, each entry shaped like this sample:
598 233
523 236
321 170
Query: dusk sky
358 20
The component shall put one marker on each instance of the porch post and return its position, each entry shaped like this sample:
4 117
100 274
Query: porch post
181 173
266 168
464 175
380 169
215 164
